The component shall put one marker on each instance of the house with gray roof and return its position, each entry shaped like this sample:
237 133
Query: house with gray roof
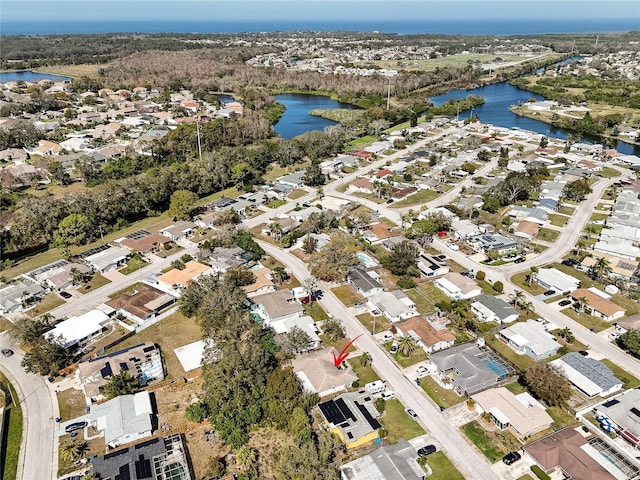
179 230
272 307
535 215
20 295
530 337
588 375
363 283
293 180
493 243
554 279
391 462
488 308
108 259
395 306
624 411
123 419
470 368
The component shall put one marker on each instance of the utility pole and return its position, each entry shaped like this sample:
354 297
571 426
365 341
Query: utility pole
388 93
199 147
101 236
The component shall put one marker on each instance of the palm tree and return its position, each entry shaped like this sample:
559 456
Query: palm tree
531 276
517 298
407 345
602 268
279 274
246 457
580 304
527 307
276 231
365 359
310 285
71 451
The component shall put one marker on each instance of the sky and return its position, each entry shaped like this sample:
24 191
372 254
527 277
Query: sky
183 10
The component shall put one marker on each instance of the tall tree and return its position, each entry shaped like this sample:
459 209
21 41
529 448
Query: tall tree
182 202
332 262
548 383
121 384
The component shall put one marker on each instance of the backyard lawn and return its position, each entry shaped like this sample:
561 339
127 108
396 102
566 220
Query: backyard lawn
494 445
424 304
441 396
521 361
398 424
346 295
515 388
561 418
4 324
442 468
174 331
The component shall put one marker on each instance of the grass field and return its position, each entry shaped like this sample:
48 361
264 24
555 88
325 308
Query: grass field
381 323
346 295
494 445
72 404
365 374
96 282
586 320
315 311
608 172
534 288
561 418
441 396
457 60
297 194
515 388
558 220
548 235
629 380
133 265
418 198
398 424
4 324
566 210
12 436
442 468
49 302
174 331
521 361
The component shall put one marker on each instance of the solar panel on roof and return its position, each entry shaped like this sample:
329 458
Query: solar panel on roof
106 370
345 410
635 411
149 349
124 366
143 468
138 234
373 423
331 412
610 403
123 473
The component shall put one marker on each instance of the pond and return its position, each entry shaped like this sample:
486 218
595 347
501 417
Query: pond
297 120
30 76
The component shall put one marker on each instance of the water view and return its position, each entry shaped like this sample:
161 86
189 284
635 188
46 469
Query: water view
30 76
296 118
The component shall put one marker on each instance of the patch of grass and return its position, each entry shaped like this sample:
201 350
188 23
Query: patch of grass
4 324
315 311
418 198
585 320
442 468
558 220
128 289
486 287
381 322
441 396
390 223
133 265
417 356
566 210
423 303
630 305
49 302
548 235
432 292
561 418
346 295
538 248
72 404
297 193
275 203
629 380
365 374
174 331
515 387
165 253
521 361
608 172
96 282
483 441
526 476
13 433
598 216
398 424
360 142
520 280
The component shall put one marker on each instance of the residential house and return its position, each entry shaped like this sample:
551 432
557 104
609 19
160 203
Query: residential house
45 147
304 323
395 306
628 323
154 459
527 230
273 307
522 414
470 368
623 268
176 279
391 462
78 331
108 259
464 228
143 361
493 243
263 283
321 240
143 305
458 287
623 410
535 215
588 375
59 275
598 304
379 232
361 185
292 180
554 279
569 454
222 259
19 296
123 419
530 337
318 374
488 308
179 231
353 418
430 336
144 243
432 266
363 283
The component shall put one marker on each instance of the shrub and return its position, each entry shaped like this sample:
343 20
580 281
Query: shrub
197 412
540 473
356 384
498 286
481 275
405 282
380 405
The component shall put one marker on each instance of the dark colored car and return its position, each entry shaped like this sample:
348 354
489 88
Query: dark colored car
564 303
75 426
510 458
548 293
570 262
65 294
584 353
426 450
519 260
7 352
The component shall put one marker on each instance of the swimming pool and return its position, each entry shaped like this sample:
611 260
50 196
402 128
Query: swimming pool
366 260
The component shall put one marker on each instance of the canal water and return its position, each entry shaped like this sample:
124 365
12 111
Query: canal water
29 76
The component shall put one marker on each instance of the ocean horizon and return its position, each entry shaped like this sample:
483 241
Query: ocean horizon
400 27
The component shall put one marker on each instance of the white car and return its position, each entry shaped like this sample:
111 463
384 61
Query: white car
387 395
613 335
422 371
453 246
387 337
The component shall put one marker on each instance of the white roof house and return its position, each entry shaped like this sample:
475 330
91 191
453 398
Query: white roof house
123 419
588 375
304 323
457 286
530 337
108 259
554 279
395 306
80 330
488 308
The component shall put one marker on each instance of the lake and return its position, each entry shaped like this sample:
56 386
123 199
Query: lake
296 118
29 76
499 97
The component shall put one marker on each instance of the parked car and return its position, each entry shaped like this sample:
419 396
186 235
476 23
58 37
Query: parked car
613 335
64 294
411 413
75 426
519 260
387 337
584 353
453 246
387 395
511 457
570 262
394 348
564 303
422 371
7 352
548 293
426 450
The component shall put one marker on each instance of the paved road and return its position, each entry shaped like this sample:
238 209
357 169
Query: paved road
38 456
467 459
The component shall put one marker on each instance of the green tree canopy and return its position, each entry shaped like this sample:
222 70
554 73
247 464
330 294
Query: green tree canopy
630 341
548 384
182 202
121 384
72 230
46 357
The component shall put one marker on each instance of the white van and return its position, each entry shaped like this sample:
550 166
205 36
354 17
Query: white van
387 395
375 387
